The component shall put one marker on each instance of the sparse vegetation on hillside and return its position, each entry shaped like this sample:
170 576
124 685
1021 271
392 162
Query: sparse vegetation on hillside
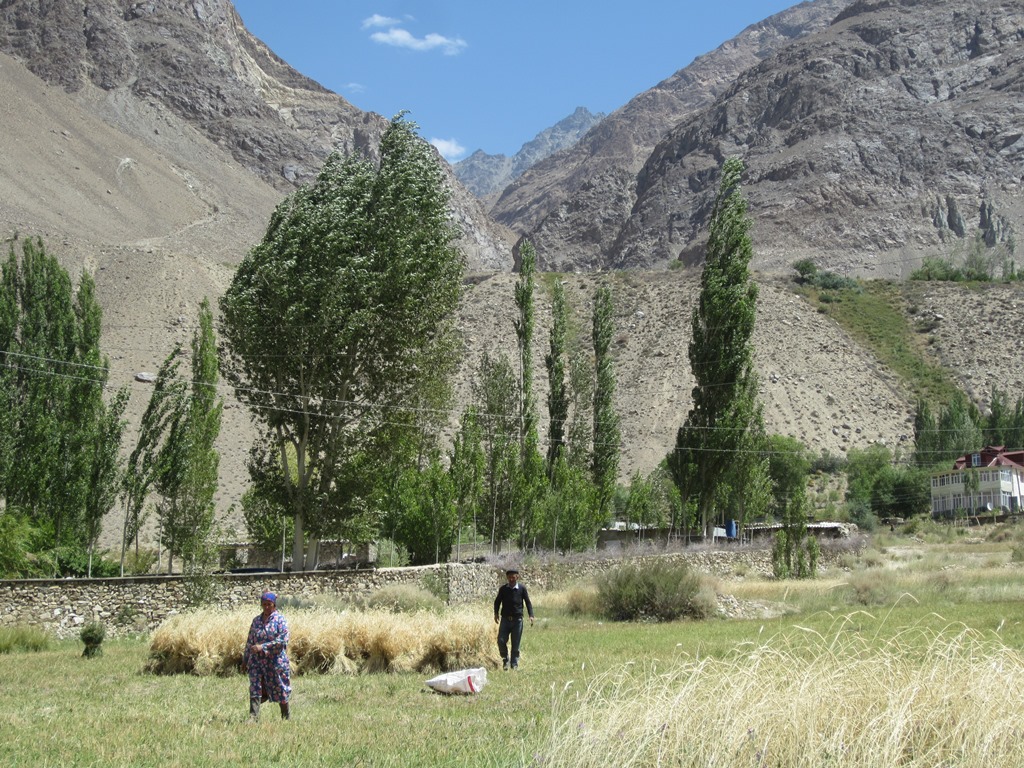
873 313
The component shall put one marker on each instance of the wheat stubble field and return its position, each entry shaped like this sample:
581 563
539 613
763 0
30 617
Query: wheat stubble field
908 655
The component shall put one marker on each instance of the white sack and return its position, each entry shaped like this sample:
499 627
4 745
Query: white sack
462 681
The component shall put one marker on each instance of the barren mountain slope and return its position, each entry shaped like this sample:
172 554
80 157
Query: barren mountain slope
158 232
194 60
891 133
895 132
572 204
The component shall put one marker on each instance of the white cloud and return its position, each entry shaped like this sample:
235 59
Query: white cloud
450 149
380 21
353 87
400 38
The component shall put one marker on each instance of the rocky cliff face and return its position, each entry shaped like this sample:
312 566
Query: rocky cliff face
894 132
485 175
195 59
886 131
573 204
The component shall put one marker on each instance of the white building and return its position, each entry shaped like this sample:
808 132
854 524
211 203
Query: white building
1000 484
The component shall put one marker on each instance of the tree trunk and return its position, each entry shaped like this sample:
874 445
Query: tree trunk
298 560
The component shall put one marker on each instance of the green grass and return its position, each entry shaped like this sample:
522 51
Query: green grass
23 639
876 316
61 709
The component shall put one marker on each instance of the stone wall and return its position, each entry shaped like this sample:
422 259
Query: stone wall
137 605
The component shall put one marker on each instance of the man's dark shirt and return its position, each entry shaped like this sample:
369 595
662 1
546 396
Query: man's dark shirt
510 601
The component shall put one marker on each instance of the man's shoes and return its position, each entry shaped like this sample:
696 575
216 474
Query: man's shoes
515 667
504 664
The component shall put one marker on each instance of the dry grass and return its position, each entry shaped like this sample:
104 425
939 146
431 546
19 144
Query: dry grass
211 642
922 698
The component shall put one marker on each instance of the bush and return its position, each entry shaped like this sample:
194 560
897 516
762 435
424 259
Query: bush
828 464
872 587
23 639
92 635
390 554
655 591
139 562
830 281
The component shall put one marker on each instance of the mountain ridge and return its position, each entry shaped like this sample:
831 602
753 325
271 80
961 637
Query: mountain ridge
486 175
160 208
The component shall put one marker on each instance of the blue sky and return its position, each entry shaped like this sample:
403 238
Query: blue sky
476 75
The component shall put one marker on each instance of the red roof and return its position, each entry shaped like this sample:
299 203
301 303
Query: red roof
992 456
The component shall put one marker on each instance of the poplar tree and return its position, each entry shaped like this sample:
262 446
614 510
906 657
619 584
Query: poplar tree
53 410
606 436
187 473
530 477
724 409
554 361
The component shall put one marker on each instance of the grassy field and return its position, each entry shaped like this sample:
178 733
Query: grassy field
909 657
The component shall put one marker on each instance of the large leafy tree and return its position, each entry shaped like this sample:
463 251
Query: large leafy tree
724 409
333 319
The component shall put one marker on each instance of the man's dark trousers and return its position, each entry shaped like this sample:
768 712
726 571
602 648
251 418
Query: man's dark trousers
510 626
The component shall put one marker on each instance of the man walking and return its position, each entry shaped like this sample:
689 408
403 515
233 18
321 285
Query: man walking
508 615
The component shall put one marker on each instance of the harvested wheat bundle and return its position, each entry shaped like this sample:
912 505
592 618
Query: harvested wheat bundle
396 644
202 643
211 642
318 643
460 641
359 630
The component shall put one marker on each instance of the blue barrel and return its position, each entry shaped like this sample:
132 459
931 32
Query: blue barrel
730 529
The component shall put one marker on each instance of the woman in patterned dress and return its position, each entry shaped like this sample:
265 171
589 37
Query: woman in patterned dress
266 659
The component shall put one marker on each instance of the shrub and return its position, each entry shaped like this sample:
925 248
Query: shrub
92 635
435 585
390 554
934 268
140 562
830 281
655 591
806 269
828 464
873 587
23 639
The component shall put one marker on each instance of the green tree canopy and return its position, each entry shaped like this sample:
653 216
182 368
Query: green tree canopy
335 319
724 409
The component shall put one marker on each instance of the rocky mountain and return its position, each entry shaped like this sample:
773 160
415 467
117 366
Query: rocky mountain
572 204
879 133
193 61
148 142
485 175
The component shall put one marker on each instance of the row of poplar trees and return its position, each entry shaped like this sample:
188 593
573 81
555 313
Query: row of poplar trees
63 467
